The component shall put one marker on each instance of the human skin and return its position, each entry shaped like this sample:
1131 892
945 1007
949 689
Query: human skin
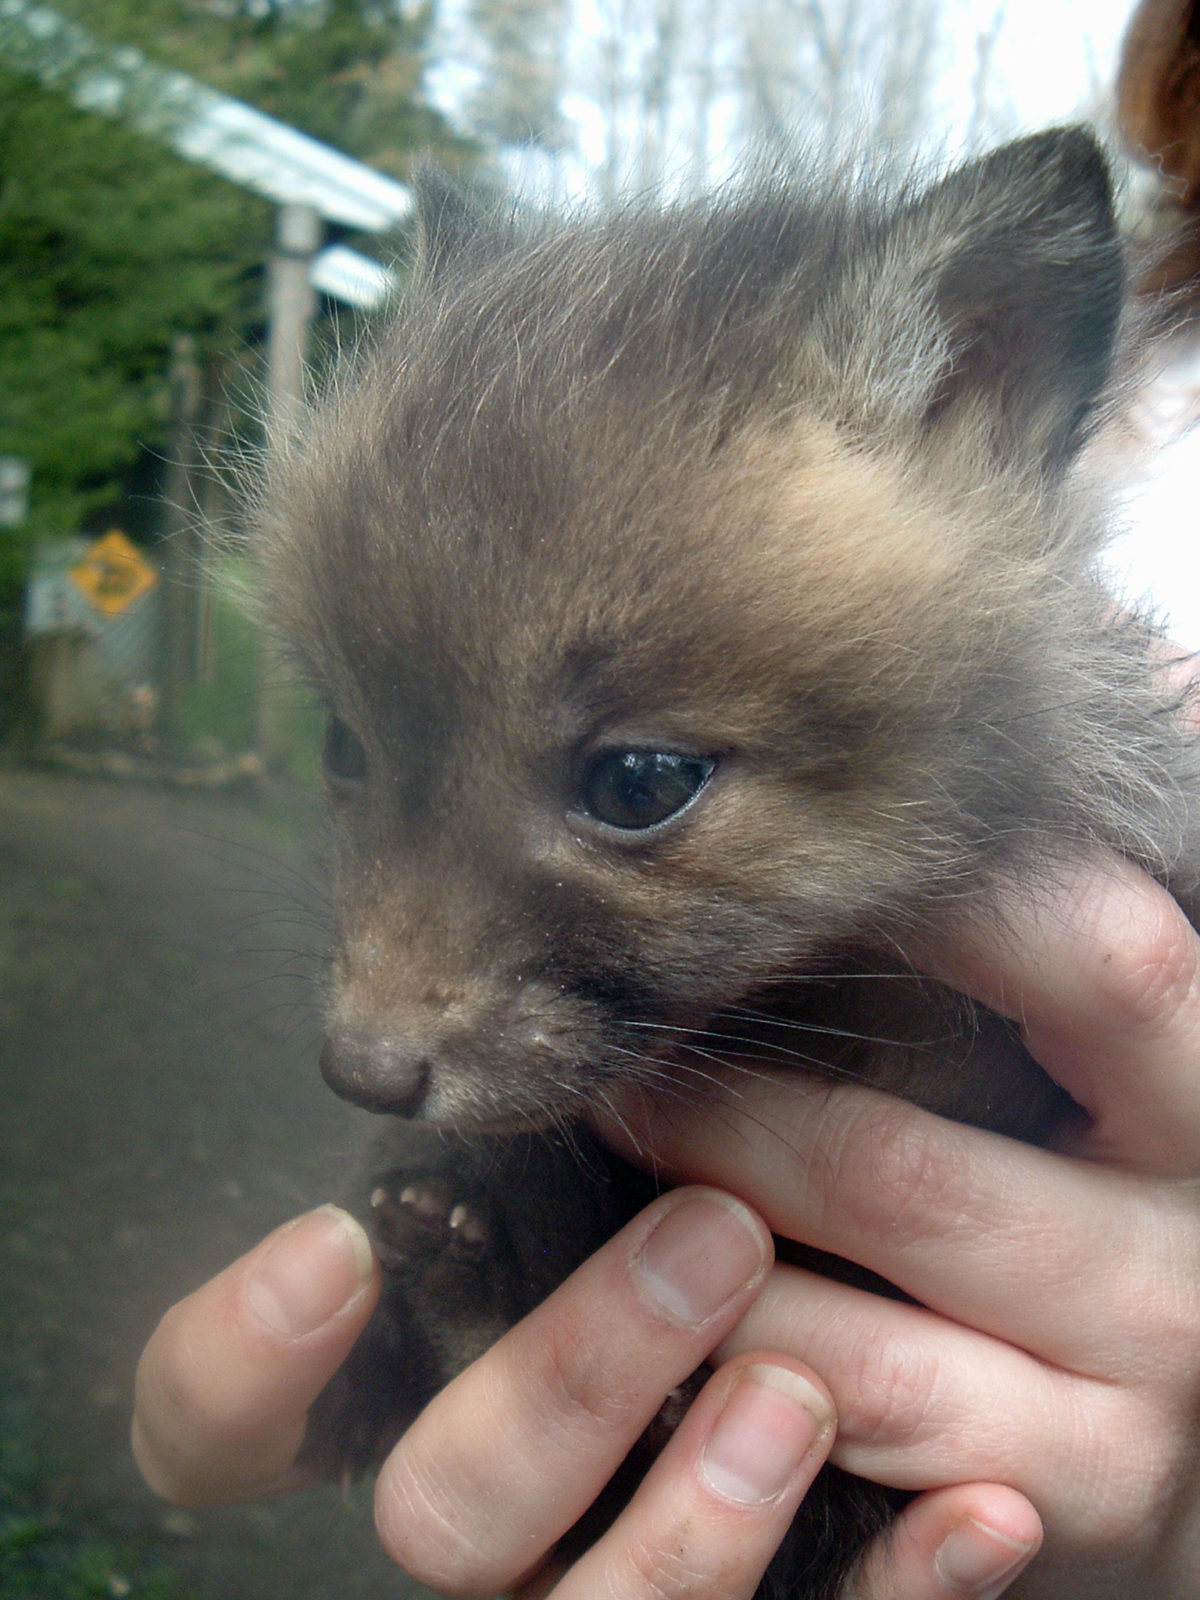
1055 1344
1053 1360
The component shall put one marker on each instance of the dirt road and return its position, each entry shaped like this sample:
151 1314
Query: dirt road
162 1110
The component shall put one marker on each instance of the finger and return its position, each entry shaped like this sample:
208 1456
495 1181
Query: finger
224 1385
969 1542
1103 974
713 1509
565 1394
941 1210
922 1400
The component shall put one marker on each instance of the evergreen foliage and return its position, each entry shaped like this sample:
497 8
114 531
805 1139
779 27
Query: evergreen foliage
108 248
111 246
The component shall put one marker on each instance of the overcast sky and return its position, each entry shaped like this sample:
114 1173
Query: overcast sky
1051 56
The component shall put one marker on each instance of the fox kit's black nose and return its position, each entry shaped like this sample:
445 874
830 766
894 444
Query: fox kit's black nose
375 1071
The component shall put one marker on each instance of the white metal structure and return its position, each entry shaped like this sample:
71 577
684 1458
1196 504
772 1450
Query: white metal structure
223 134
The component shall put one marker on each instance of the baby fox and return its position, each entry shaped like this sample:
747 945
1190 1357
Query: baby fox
707 606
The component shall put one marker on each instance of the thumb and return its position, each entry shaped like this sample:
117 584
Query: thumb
224 1384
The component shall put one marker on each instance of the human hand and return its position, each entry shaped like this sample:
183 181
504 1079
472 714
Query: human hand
226 1379
1056 1345
566 1393
225 1382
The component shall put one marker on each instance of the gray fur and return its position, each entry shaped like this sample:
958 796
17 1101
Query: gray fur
798 481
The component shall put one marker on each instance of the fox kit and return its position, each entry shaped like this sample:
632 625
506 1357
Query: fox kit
707 606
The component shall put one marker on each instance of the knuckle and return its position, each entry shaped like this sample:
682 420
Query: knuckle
1132 1461
663 1568
1130 1509
1161 1291
1152 973
160 1474
889 1173
175 1386
581 1387
891 1392
203 1432
425 1529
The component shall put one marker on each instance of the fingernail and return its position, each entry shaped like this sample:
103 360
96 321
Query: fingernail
705 1250
309 1271
977 1562
771 1419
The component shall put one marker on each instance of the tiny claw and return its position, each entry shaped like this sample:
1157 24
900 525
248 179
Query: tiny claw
468 1227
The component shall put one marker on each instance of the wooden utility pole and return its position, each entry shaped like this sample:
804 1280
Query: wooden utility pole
291 305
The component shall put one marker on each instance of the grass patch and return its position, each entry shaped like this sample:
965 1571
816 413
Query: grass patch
53 1546
51 1553
223 704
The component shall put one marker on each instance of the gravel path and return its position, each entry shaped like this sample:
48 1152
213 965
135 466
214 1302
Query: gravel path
162 1111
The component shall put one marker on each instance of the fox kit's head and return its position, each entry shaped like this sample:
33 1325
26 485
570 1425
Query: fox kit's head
676 582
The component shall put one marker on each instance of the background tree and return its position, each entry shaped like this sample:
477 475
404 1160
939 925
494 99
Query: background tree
112 247
521 65
108 248
827 70
349 72
657 94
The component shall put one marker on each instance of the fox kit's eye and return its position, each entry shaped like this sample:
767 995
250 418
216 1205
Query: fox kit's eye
344 759
641 788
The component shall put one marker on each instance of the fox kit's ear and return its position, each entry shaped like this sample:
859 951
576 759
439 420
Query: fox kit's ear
450 220
1019 255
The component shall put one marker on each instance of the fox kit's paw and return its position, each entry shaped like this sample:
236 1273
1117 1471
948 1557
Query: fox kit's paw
448 1266
470 1235
417 1215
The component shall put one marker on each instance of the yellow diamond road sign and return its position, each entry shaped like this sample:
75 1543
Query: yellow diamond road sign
114 573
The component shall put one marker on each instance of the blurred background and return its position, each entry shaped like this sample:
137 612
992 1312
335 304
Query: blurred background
201 202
